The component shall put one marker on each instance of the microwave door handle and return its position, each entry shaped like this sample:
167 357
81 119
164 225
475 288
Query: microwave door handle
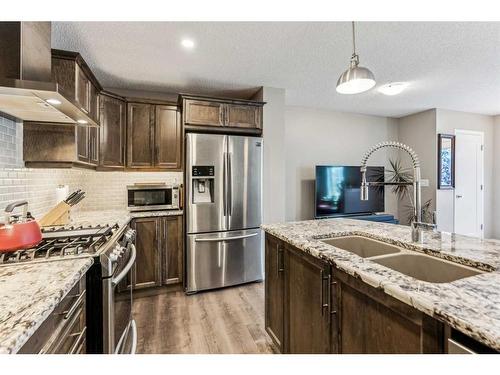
127 268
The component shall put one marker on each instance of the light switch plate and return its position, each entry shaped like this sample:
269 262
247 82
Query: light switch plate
424 182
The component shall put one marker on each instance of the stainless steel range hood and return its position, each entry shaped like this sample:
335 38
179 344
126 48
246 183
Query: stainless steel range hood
26 87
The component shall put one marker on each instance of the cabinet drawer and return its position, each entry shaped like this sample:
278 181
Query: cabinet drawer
62 328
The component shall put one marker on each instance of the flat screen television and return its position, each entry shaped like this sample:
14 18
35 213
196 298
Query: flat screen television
337 191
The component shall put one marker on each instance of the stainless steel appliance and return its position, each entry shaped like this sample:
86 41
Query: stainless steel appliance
110 325
148 197
119 328
223 211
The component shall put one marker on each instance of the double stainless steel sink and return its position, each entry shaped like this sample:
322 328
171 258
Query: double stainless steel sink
419 266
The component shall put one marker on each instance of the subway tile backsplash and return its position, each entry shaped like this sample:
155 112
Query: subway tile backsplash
104 190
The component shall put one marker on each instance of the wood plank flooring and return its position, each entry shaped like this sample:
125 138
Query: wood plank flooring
224 321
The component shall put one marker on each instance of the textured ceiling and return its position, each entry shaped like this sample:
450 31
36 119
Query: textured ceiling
449 65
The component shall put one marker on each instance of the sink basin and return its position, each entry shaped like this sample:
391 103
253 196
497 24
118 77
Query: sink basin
427 268
362 246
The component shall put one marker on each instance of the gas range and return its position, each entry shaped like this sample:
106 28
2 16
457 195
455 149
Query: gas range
63 242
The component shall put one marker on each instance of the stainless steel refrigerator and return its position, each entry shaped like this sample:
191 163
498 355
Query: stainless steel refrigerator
223 211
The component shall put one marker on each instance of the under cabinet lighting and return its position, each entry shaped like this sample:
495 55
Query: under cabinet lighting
53 101
82 121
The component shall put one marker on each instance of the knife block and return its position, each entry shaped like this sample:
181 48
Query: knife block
59 215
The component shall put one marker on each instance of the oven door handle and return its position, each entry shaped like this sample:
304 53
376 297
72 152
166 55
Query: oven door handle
132 327
121 275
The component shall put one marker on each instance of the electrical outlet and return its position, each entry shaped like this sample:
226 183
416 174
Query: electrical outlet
424 182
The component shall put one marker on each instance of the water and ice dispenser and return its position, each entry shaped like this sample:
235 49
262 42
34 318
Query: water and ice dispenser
203 178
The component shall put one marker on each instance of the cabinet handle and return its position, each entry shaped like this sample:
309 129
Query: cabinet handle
79 340
328 301
69 313
333 284
280 262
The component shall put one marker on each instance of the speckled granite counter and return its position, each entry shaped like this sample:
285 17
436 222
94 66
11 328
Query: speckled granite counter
120 217
471 305
29 293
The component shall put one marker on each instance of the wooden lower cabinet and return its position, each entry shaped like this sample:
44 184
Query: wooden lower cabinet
159 252
310 316
312 307
274 290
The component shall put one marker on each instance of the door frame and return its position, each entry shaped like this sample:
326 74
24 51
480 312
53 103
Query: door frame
459 132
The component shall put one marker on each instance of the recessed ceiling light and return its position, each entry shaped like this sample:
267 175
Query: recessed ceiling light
187 43
53 101
82 121
393 88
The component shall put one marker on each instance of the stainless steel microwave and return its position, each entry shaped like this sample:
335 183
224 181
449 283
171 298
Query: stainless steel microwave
149 197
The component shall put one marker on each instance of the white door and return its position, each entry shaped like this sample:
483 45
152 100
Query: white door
469 183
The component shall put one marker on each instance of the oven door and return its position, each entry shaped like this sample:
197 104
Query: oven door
120 329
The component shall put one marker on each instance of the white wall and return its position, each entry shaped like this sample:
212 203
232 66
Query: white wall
419 132
315 136
496 177
274 154
446 123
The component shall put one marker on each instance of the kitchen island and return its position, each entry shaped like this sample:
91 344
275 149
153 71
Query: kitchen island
355 296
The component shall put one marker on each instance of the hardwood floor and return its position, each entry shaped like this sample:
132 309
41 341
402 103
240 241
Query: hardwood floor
224 321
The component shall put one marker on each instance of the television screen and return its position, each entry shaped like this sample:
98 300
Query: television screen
338 191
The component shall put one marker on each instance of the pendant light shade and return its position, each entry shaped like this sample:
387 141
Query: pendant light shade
356 79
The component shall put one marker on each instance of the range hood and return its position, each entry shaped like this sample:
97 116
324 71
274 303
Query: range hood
27 91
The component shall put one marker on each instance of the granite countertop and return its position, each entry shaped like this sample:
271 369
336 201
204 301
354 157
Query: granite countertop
120 217
29 293
470 305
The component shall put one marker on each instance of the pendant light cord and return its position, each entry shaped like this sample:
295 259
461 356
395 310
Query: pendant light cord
353 40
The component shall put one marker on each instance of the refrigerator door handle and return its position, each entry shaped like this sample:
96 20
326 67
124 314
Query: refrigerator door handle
224 184
220 239
230 184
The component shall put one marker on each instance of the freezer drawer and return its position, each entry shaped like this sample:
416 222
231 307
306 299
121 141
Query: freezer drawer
221 259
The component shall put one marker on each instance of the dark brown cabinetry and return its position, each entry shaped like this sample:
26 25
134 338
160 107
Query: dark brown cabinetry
159 251
274 290
112 131
64 330
87 144
240 115
310 315
154 137
312 307
76 81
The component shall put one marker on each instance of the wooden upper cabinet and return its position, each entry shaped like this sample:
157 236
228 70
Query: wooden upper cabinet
222 112
82 144
112 132
203 112
140 135
168 137
82 90
243 116
94 103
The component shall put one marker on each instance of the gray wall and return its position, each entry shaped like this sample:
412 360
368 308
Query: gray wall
315 136
496 178
419 132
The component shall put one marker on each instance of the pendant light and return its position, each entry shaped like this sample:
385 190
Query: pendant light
356 79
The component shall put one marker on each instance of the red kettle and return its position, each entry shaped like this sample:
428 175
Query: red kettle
18 233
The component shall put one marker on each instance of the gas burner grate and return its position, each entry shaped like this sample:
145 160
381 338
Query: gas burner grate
61 242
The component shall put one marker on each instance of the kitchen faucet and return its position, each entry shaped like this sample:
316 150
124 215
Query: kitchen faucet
416 223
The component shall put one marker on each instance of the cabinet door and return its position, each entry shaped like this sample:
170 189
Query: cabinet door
82 93
94 103
93 145
243 116
112 137
307 304
172 265
148 242
82 144
140 134
201 112
274 292
168 137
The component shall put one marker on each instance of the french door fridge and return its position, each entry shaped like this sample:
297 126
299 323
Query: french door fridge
223 211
